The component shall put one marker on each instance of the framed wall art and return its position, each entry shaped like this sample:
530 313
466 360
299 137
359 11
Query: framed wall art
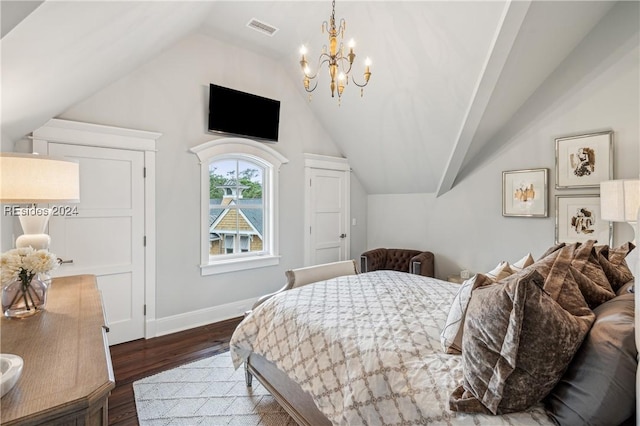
584 161
578 219
524 193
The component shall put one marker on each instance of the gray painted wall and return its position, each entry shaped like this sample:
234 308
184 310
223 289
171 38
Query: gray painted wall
170 95
465 227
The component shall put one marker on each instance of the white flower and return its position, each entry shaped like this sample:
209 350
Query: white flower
40 261
22 251
11 264
26 261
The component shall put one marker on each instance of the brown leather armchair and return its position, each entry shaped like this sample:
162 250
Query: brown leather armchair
404 260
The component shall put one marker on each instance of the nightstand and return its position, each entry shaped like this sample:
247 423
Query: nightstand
456 279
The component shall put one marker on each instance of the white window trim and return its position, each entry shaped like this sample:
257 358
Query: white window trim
272 160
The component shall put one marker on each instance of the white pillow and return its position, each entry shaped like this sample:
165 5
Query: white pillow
527 260
451 335
503 270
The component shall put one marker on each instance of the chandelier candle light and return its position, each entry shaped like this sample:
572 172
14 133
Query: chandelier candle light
339 63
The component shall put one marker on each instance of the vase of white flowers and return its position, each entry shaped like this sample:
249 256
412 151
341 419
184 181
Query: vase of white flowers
24 293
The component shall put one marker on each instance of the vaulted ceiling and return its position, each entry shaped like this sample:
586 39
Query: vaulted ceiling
447 76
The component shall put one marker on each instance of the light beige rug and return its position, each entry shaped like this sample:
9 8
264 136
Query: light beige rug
206 392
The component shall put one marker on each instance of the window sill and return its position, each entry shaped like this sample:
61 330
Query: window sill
233 265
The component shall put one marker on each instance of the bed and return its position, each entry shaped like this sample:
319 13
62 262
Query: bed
362 349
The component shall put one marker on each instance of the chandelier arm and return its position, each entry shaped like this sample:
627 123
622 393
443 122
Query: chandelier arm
313 88
318 67
343 59
356 83
326 56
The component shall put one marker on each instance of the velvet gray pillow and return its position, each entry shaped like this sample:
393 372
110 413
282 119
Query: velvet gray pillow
518 340
627 288
614 264
589 275
551 249
599 385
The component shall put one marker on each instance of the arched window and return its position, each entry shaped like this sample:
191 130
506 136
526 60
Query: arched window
239 205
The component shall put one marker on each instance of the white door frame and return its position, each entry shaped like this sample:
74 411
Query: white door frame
87 134
316 161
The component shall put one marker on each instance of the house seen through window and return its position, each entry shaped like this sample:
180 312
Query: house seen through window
239 205
236 207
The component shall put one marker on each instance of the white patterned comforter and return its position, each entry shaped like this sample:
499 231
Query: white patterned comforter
367 348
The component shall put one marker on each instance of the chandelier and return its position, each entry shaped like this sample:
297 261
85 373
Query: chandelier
339 63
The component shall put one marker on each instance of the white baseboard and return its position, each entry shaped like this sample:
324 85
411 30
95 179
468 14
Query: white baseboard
188 320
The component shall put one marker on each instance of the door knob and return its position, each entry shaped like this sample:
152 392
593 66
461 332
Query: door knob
60 261
343 235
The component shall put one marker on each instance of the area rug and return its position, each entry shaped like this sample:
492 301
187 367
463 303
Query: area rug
206 392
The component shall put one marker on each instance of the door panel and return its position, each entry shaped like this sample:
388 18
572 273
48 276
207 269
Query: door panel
106 237
109 245
328 216
108 194
118 298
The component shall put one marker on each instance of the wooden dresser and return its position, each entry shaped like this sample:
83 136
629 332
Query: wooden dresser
67 375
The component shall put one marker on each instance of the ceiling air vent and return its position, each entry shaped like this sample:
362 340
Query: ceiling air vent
262 27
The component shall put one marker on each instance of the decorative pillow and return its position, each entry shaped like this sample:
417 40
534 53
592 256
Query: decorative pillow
503 270
543 265
589 275
627 288
527 260
512 360
614 265
561 285
593 294
551 249
581 259
451 336
599 385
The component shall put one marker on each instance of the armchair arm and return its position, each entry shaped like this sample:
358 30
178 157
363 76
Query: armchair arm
373 259
423 264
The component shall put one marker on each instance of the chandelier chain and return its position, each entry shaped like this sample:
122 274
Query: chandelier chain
333 14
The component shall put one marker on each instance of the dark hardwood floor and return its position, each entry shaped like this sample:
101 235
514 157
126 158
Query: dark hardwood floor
141 358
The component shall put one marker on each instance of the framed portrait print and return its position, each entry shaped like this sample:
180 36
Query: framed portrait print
578 219
584 161
524 193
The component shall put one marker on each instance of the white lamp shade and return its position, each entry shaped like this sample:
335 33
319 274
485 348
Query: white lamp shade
29 178
619 200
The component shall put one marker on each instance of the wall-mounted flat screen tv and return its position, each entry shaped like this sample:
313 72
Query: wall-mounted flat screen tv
243 114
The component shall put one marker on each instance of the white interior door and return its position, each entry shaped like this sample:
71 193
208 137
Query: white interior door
106 237
328 215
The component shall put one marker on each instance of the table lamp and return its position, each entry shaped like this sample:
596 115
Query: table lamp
619 202
32 179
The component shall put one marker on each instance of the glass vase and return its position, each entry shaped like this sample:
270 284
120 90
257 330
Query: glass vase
22 299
